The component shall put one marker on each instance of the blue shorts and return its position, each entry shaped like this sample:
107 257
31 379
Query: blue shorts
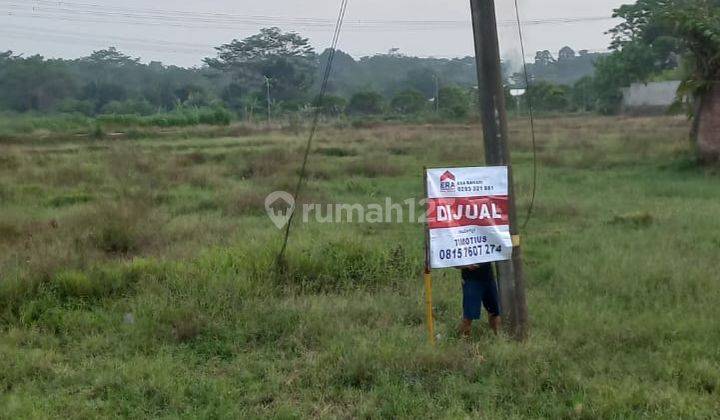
480 289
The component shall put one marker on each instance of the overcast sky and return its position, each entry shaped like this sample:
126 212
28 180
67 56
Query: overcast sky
183 32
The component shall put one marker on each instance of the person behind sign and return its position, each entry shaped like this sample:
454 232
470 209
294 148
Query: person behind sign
479 290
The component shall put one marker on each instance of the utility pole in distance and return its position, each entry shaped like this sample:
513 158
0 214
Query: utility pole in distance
497 153
267 83
437 93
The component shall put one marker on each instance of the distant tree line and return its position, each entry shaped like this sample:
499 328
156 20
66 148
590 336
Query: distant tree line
106 82
283 68
237 78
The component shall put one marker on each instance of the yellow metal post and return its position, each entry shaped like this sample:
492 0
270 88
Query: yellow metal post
427 276
428 306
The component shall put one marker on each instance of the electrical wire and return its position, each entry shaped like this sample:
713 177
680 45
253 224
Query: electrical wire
532 118
95 13
313 127
84 36
45 35
100 43
164 13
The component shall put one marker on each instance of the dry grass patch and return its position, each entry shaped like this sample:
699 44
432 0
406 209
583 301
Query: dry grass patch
336 151
241 202
374 168
10 159
10 231
265 163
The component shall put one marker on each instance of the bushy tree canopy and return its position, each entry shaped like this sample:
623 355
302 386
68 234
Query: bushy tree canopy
286 58
33 83
409 101
454 102
548 97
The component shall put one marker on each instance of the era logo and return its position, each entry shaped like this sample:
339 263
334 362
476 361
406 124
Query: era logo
447 182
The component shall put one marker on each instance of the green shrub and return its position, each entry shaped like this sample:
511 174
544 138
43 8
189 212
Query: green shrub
410 101
115 238
97 132
181 117
26 123
75 284
215 116
343 266
454 102
121 229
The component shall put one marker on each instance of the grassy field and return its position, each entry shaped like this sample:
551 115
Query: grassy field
136 279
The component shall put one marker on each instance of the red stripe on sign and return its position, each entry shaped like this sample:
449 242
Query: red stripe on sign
467 211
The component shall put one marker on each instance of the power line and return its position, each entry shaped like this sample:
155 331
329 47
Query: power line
192 14
233 18
147 44
71 37
417 26
313 128
136 16
45 35
65 40
56 17
88 36
532 116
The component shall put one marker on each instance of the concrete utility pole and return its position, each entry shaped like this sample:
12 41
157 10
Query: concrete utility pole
494 121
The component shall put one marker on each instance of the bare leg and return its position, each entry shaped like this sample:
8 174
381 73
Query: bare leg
465 328
495 322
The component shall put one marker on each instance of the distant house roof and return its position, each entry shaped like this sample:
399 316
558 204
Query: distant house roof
650 95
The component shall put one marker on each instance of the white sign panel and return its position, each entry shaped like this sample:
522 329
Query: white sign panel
467 216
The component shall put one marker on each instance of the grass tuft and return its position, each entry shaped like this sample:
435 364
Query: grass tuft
638 220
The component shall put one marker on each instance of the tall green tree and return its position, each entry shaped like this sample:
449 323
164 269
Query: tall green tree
410 101
632 63
285 58
582 95
548 97
111 57
454 102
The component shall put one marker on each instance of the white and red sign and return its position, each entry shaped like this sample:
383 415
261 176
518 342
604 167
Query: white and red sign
467 216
